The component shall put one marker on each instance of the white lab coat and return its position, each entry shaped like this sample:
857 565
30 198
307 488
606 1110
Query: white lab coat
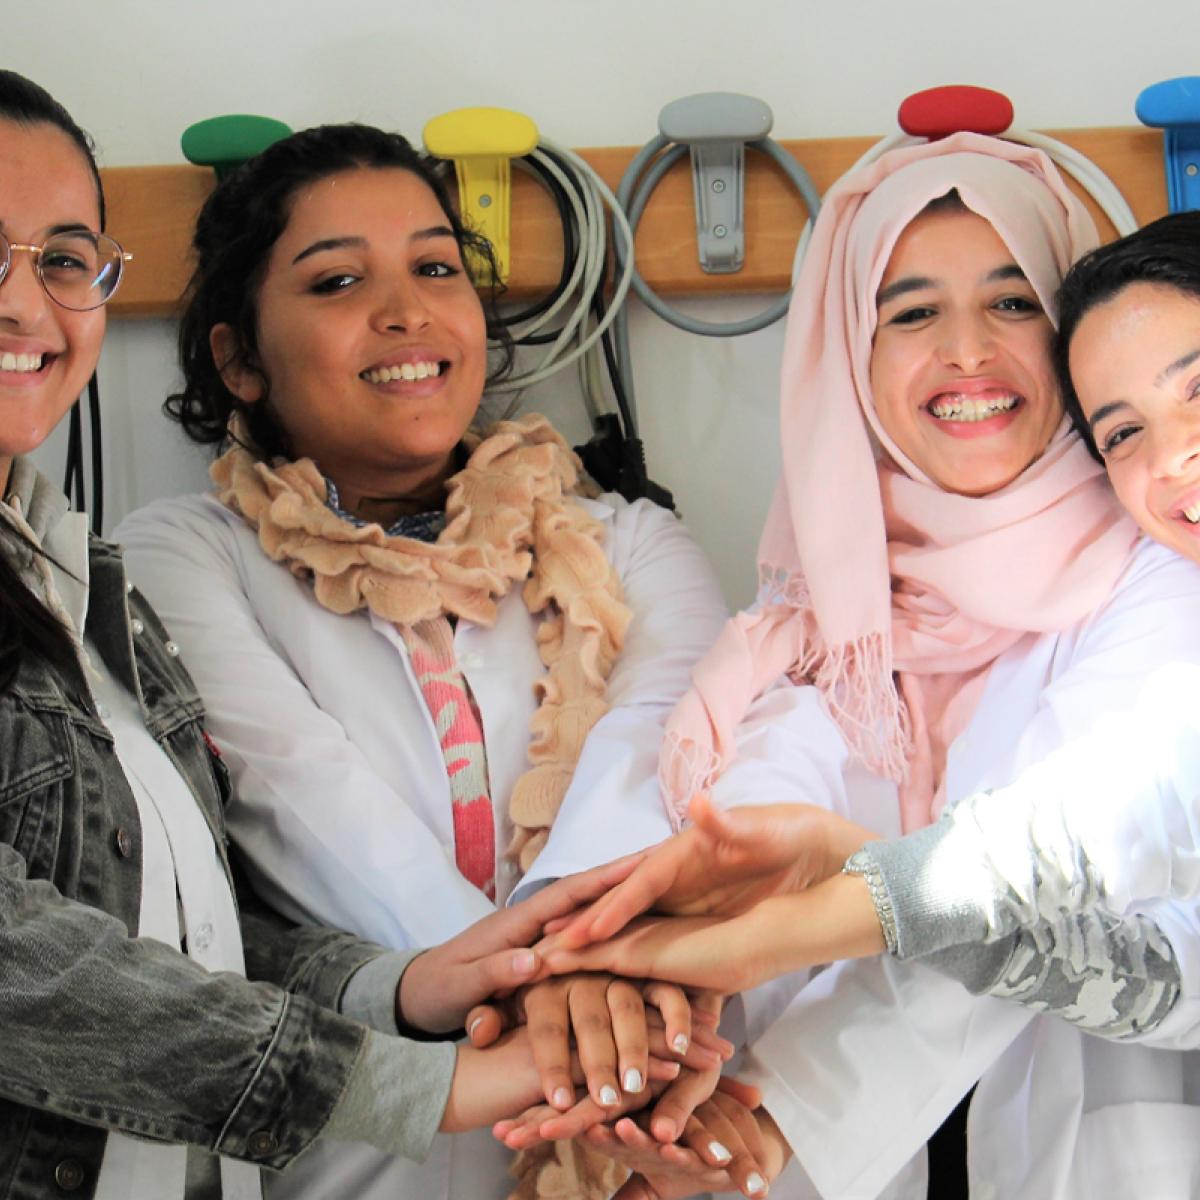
342 804
871 1056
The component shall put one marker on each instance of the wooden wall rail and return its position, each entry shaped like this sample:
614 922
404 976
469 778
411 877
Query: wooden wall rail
152 210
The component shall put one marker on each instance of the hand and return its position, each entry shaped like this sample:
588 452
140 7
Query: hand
729 1145
611 1027
726 862
443 984
831 920
640 1035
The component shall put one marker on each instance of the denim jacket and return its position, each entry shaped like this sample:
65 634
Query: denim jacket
99 1030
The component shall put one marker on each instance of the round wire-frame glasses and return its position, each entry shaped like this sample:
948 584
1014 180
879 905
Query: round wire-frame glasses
78 269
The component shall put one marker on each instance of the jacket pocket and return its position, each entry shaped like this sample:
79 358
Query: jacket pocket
39 756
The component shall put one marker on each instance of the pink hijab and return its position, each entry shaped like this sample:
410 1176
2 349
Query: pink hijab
889 594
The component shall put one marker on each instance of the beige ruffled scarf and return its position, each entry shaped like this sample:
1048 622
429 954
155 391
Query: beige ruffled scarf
511 518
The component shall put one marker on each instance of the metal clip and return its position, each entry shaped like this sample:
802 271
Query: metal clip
481 141
716 126
1173 106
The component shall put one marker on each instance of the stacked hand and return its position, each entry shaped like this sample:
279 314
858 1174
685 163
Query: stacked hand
752 894
745 895
722 865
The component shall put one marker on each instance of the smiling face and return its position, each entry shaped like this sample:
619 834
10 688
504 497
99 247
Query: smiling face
47 353
1135 364
961 374
371 338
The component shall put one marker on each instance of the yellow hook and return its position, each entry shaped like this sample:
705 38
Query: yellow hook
481 141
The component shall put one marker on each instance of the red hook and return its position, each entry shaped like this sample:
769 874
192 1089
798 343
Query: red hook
957 108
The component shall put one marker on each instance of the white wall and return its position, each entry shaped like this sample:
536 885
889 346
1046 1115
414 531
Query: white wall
137 72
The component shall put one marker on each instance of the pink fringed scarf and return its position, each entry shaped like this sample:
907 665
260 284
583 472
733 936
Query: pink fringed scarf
889 594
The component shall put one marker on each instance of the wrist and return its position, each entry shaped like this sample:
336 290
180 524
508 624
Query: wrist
409 988
844 839
489 1085
831 920
863 865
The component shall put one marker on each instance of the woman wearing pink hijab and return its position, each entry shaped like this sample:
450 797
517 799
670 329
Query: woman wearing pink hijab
956 619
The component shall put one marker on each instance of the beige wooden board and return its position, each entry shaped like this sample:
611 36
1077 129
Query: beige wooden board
152 209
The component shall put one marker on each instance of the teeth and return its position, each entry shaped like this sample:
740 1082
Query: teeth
20 362
406 371
1192 513
951 407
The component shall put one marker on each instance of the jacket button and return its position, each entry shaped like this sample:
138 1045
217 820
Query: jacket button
137 626
69 1175
262 1143
124 842
172 649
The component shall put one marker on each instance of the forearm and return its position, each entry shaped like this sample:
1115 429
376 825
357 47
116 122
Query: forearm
1111 975
131 1035
396 1096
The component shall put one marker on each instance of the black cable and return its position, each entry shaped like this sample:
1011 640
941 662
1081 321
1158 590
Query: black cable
566 220
97 455
73 478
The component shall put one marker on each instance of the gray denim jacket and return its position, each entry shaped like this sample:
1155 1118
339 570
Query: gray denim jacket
102 1031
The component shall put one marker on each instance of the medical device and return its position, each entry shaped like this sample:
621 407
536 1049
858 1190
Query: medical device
482 142
962 108
938 112
1173 105
573 321
714 128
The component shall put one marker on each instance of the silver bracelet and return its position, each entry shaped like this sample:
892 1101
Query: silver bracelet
861 863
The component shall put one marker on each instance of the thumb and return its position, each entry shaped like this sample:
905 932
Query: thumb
504 971
714 821
485 1023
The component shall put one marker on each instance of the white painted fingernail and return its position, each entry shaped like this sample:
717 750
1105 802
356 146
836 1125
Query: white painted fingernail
474 1025
755 1183
719 1152
680 1044
632 1082
562 1098
608 1096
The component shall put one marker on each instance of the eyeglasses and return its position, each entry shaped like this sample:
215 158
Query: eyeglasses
79 270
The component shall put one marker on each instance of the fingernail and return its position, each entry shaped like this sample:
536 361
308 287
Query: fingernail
562 1098
755 1183
523 962
719 1152
474 1025
608 1096
680 1044
632 1082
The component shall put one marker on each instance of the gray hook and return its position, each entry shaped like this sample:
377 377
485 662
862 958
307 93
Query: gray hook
716 126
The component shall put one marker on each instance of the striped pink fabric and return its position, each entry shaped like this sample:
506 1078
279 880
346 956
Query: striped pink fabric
460 732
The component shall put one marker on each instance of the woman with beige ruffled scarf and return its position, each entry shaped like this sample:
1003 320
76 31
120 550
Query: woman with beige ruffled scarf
404 628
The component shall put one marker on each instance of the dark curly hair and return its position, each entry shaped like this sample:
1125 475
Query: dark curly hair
239 223
1166 253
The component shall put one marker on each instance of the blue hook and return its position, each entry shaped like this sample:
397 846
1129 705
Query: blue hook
1174 107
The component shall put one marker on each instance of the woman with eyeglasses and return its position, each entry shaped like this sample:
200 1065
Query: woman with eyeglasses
148 1047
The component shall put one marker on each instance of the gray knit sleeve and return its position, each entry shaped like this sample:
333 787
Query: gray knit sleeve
1038 935
395 1096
